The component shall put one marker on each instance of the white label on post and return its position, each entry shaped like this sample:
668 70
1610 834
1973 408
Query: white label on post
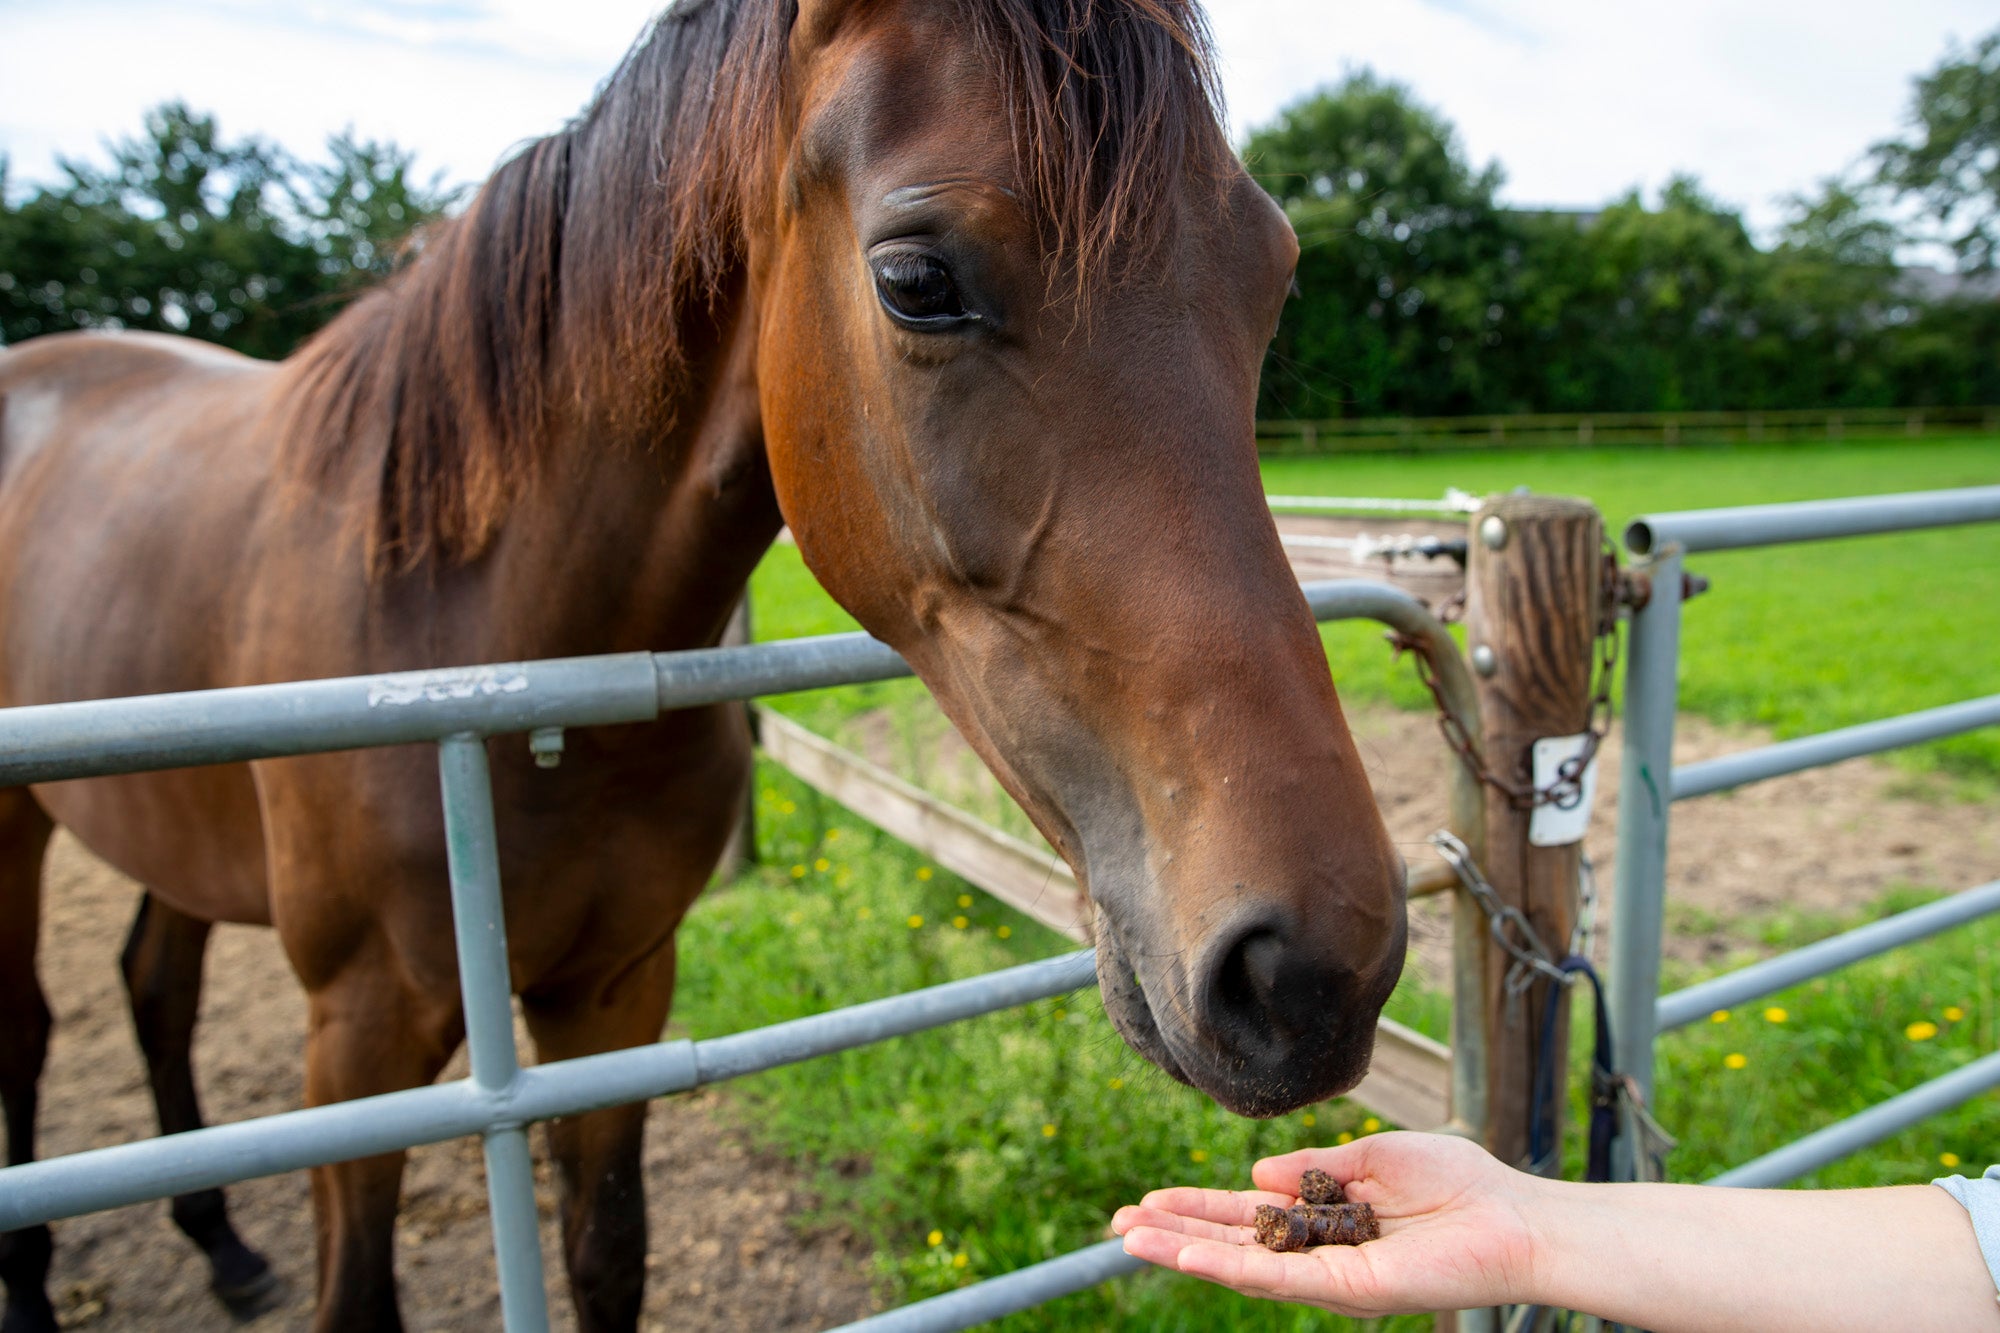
1560 823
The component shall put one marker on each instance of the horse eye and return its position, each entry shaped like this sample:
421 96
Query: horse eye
918 289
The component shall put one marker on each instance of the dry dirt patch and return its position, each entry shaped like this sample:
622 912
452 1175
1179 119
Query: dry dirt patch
722 1257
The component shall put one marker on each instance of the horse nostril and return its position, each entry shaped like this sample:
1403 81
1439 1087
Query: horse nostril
1247 981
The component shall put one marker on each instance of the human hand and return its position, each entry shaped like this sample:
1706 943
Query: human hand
1456 1229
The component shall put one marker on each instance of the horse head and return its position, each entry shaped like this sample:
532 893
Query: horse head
1012 295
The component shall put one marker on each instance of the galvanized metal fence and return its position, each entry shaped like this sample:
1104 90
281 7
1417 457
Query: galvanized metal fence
460 709
1651 784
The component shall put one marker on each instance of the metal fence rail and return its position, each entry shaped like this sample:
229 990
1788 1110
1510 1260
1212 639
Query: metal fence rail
1831 747
1651 784
459 709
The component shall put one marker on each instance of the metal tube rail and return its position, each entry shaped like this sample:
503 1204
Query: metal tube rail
1816 960
1871 1126
159 1168
1455 504
1426 634
999 1297
486 988
1695 530
1638 903
99 737
1831 747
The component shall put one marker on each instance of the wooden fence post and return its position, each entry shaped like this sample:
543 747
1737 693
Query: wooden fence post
1534 584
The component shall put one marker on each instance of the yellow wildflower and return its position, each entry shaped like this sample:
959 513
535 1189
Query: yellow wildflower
959 1260
1345 1137
1048 1131
822 865
965 900
1948 1158
1117 1083
1719 1016
789 808
1004 932
959 923
1775 1015
798 872
1370 1125
1735 1060
1953 1014
916 922
936 1238
1308 1120
923 872
1198 1155
1921 1030
833 835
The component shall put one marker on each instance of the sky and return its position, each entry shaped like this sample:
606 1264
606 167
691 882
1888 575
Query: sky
1579 100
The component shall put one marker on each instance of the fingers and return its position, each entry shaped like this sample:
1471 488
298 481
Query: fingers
1282 1173
1252 1270
1229 1207
1160 1219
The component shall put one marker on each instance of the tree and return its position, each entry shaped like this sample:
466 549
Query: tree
1950 163
236 243
1399 237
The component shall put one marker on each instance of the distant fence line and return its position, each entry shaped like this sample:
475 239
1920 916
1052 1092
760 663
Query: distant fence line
1585 429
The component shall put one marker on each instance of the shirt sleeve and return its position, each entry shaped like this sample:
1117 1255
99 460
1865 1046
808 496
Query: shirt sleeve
1981 1198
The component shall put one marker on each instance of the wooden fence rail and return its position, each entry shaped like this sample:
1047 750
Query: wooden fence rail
1587 429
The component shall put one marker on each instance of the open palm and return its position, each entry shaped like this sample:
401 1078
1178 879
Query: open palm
1454 1229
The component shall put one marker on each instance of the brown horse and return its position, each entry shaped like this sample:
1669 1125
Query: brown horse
973 294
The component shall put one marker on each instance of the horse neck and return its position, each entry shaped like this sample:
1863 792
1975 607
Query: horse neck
644 535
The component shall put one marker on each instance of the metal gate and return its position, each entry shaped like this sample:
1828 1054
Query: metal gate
459 709
1651 783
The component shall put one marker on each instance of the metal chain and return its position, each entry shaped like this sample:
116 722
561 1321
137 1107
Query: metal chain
1566 790
1511 930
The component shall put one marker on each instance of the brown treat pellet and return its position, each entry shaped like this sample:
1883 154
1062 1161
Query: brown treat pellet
1280 1228
1316 1186
1313 1224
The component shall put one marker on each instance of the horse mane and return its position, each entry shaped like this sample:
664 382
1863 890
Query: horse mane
564 291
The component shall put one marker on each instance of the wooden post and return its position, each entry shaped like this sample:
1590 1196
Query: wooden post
1533 590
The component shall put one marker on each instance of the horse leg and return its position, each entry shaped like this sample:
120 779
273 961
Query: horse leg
368 1033
162 969
597 1155
25 1022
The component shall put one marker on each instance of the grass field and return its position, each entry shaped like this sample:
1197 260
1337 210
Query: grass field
1001 1142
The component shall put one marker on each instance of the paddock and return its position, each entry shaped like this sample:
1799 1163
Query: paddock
459 709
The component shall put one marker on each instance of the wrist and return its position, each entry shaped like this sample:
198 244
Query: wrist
1560 1244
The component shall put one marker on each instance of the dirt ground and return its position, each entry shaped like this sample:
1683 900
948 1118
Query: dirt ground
1830 840
721 1255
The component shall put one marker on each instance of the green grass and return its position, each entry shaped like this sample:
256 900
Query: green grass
1799 639
1833 1047
1014 1137
950 1132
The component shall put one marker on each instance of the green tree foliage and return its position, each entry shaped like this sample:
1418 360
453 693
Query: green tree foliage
236 243
1951 166
1399 239
1420 295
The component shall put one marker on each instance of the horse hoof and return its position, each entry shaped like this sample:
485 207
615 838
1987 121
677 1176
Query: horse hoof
21 1318
255 1295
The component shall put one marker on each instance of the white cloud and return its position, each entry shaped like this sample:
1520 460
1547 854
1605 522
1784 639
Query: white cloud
1578 99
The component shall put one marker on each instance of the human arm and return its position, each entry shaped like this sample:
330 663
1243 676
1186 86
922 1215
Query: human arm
1459 1231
